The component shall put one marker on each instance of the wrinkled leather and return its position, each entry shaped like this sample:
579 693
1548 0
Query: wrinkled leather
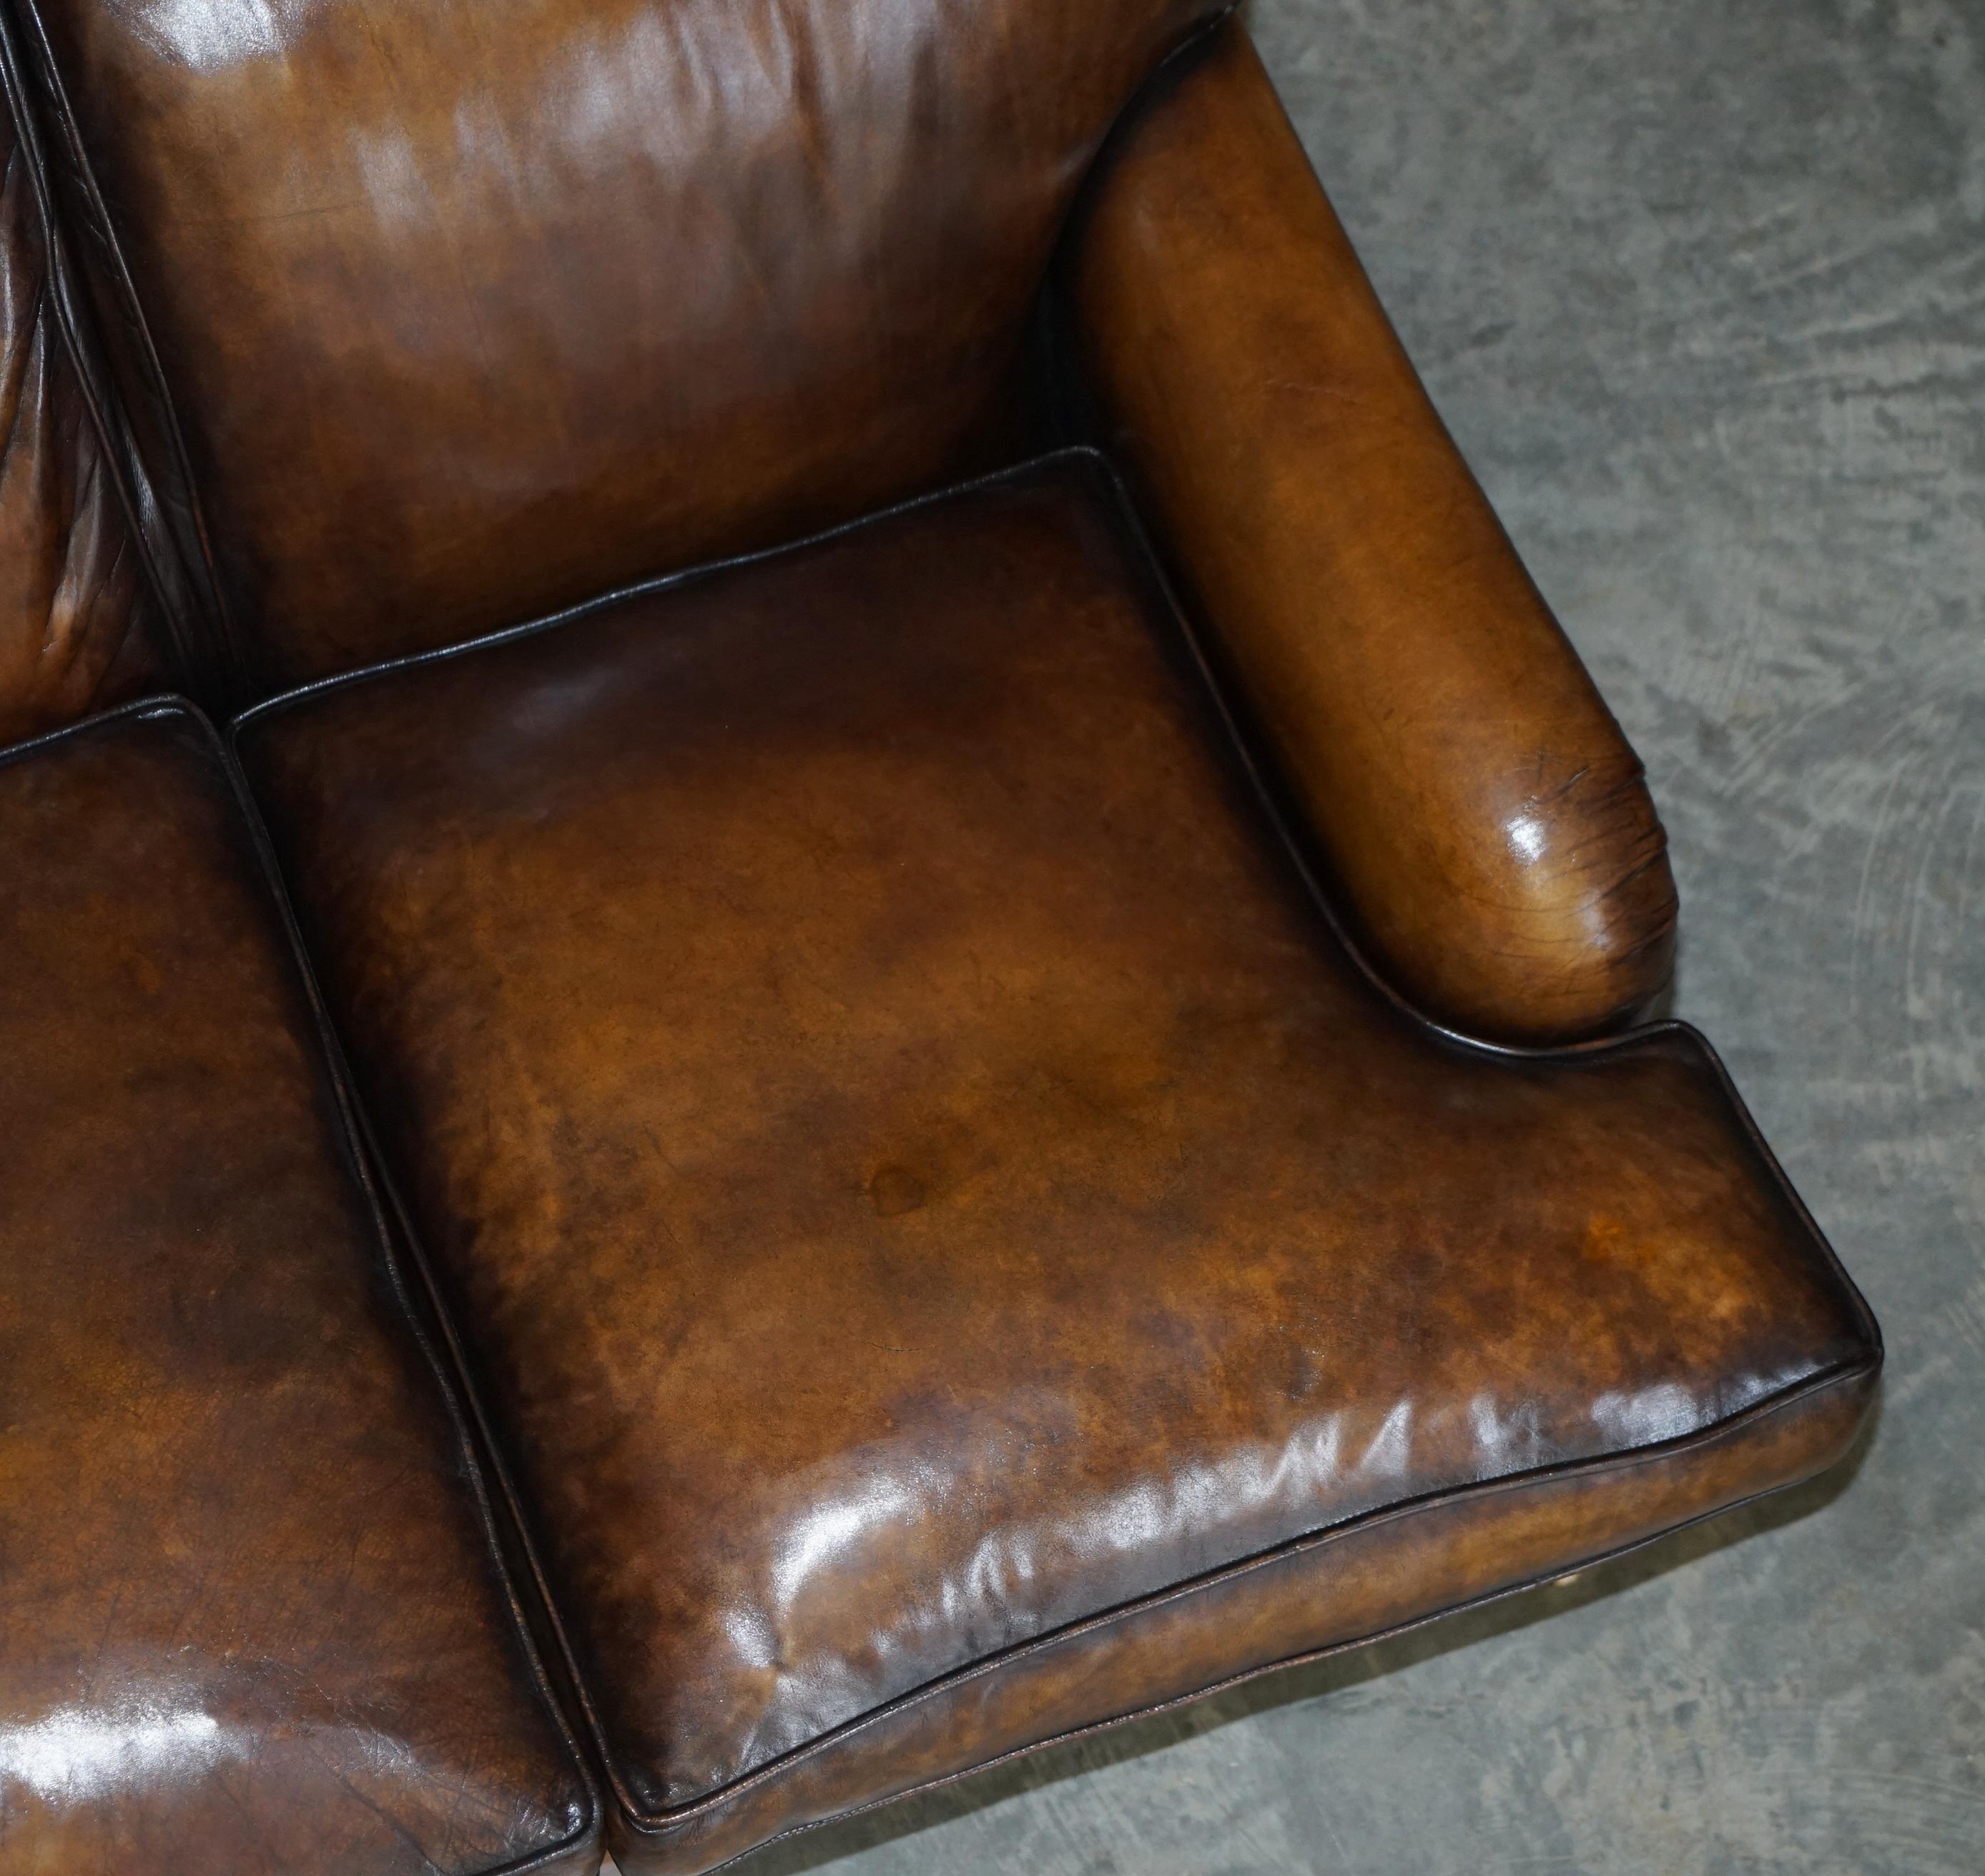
917 1175
1485 821
75 635
250 1624
470 311
1365 1579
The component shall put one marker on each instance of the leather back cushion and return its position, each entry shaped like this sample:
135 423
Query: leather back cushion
469 309
77 633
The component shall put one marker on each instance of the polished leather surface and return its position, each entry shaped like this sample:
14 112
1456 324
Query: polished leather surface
249 1622
1346 1587
470 311
916 1174
74 631
1485 820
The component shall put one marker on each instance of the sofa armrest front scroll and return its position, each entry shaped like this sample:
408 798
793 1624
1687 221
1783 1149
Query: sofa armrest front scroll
1486 822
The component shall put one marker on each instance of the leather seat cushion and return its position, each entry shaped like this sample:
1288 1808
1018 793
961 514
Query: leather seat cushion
250 1618
955 1250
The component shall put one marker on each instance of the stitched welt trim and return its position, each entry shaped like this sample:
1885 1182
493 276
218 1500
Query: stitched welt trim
1303 1658
1257 772
350 1141
661 1824
1254 772
1165 615
659 583
262 858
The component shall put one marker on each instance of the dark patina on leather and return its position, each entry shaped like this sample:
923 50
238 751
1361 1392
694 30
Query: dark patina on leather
250 1619
1016 1111
530 299
955 1251
78 630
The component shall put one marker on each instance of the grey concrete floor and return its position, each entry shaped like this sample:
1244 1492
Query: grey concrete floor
1700 290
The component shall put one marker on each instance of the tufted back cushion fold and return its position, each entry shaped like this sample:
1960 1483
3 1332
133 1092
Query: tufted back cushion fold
78 631
456 311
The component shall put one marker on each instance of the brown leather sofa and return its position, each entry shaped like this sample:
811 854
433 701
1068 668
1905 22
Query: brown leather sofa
898 1011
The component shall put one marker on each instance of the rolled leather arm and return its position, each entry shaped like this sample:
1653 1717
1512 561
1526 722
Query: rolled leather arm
1486 822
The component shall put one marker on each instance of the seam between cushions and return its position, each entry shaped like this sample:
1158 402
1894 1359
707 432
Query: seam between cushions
265 874
351 1142
1240 746
1258 771
657 583
195 562
1167 614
